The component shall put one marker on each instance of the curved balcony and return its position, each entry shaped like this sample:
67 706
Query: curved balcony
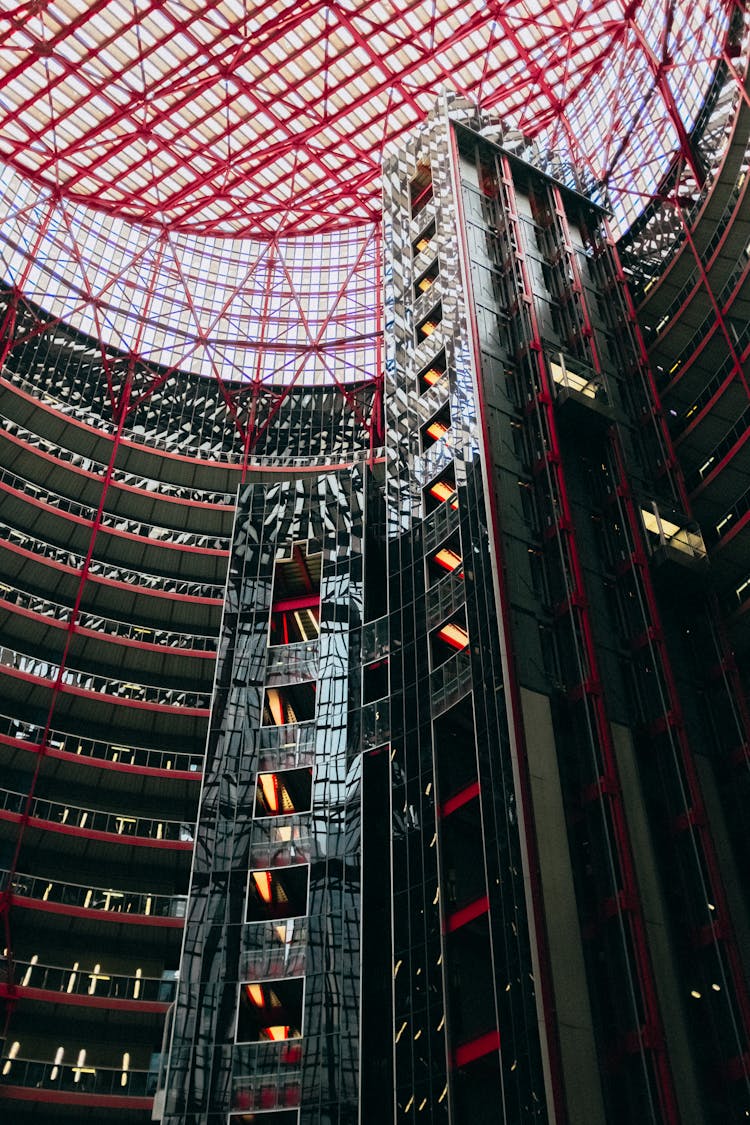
146 488
108 626
212 461
75 748
709 235
708 326
131 578
119 541
451 681
102 1086
34 406
137 907
112 689
654 243
121 827
167 536
70 981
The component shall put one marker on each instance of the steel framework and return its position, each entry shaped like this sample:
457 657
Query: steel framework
195 183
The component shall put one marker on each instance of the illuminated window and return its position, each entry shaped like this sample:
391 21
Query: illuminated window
294 703
295 608
441 491
283 793
448 639
430 323
270 1011
433 372
436 428
447 559
426 280
277 892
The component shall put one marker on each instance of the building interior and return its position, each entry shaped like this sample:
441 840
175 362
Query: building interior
374 386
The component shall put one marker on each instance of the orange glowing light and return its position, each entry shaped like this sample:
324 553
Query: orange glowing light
269 786
454 635
428 327
277 1032
276 707
432 375
424 284
255 995
442 491
436 430
448 559
263 883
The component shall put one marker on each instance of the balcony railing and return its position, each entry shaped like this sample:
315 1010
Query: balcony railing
152 532
104 685
444 598
289 663
266 954
93 748
438 525
72 1079
106 899
142 580
451 681
174 442
73 981
96 820
155 488
107 625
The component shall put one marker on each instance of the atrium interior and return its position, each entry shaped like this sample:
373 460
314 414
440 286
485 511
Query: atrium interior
375 562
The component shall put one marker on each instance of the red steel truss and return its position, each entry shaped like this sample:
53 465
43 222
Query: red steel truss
218 162
233 118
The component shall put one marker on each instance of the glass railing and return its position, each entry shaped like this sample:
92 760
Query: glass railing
375 639
274 949
164 441
287 663
152 532
106 625
663 532
375 719
451 681
109 900
94 820
137 578
439 524
286 747
104 685
12 730
82 982
444 598
73 1079
265 1076
156 489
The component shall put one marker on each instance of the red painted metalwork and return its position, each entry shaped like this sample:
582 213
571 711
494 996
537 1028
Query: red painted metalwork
672 722
515 708
477 1048
606 787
